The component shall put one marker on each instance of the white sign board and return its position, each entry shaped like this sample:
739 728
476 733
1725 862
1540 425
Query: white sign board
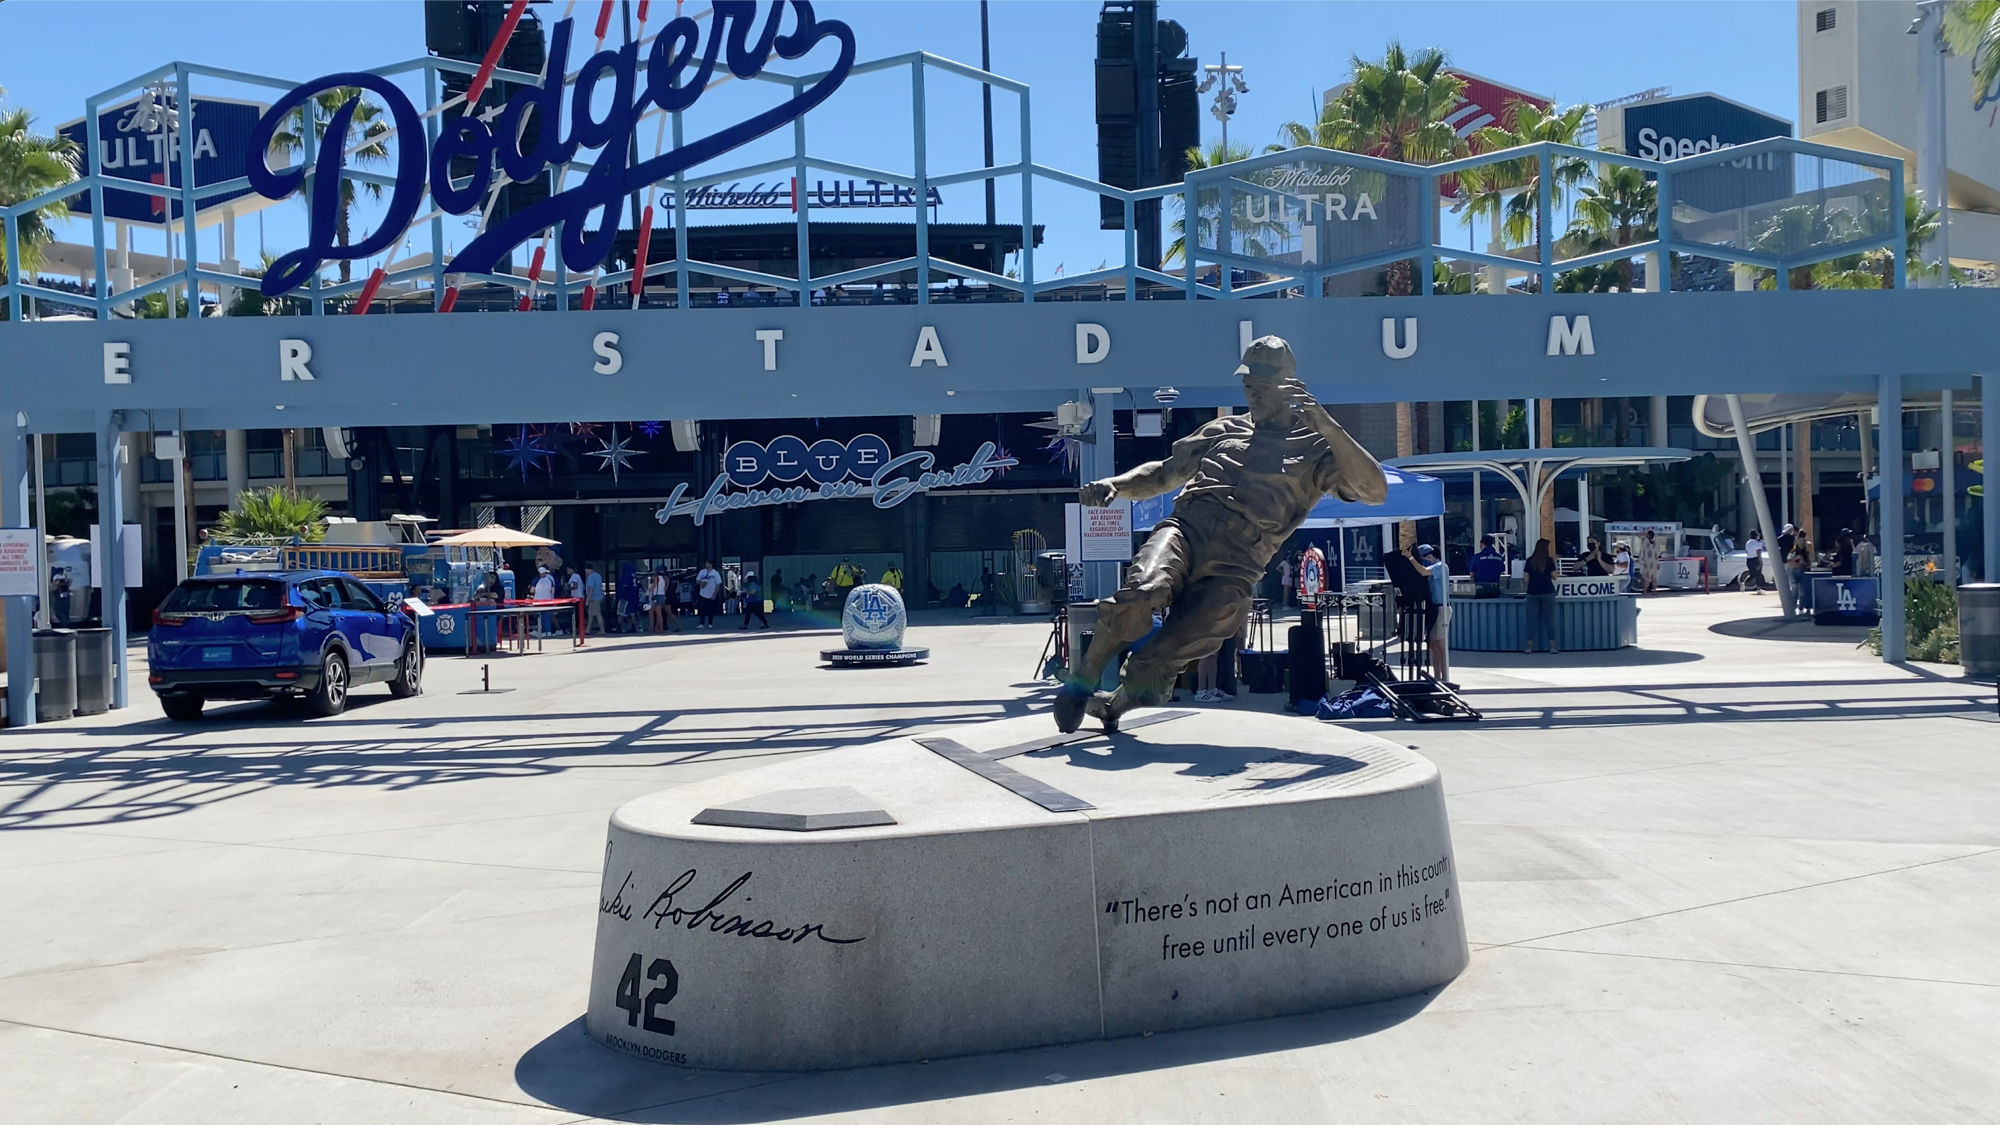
1595 586
128 537
20 561
1098 534
1680 574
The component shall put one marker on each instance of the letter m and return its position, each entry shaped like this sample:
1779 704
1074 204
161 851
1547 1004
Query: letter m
1567 337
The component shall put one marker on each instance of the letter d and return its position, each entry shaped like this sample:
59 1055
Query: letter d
1093 343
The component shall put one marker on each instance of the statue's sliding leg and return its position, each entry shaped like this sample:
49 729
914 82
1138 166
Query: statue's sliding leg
1207 613
1157 572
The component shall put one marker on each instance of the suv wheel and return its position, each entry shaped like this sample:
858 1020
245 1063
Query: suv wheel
330 698
182 707
409 672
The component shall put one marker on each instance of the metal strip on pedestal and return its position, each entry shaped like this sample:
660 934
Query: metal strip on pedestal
1055 740
1020 784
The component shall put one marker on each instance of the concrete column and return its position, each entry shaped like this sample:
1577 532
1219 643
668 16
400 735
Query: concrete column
1802 479
1989 444
1890 403
1478 516
1099 460
1948 484
112 469
1746 447
1864 422
236 464
1743 278
1656 424
19 613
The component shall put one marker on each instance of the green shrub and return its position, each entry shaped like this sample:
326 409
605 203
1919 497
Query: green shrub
1930 614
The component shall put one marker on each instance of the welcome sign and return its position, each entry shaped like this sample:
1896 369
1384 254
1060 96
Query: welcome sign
677 69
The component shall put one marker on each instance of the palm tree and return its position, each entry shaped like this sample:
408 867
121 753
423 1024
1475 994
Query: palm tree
367 125
1619 209
1973 27
1208 216
1394 108
274 513
31 165
1509 192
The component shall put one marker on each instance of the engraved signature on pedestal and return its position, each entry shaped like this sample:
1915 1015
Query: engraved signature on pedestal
666 910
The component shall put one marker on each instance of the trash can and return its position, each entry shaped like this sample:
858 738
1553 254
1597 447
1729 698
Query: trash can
55 674
1979 630
93 671
1808 588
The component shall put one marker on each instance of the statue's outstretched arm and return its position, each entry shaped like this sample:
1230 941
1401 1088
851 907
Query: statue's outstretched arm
1154 477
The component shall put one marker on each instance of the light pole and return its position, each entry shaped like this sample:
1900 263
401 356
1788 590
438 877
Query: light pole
1932 168
1230 82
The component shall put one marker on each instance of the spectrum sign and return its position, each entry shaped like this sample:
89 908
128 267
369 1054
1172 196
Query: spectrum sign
672 79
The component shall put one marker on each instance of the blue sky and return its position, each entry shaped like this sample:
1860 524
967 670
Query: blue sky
54 53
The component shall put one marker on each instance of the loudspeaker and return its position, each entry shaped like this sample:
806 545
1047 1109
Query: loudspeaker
1264 672
1307 666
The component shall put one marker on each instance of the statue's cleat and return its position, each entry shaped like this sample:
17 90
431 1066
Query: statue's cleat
1070 705
1100 707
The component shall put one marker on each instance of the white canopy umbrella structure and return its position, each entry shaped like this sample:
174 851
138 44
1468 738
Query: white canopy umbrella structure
495 536
1533 472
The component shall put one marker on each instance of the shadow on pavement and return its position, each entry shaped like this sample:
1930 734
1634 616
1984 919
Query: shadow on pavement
573 1072
159 768
1802 629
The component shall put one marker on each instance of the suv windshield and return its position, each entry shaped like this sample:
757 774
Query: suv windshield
238 593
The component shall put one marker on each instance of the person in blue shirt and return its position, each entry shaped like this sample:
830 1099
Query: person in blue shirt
1489 569
1440 627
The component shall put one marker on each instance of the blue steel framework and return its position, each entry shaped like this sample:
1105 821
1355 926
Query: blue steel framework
111 414
1546 263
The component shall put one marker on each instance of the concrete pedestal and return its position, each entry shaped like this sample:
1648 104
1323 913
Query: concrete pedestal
1204 867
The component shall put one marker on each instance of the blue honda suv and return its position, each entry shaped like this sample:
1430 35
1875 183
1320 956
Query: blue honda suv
295 634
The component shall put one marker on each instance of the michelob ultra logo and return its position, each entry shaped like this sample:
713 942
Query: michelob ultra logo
677 69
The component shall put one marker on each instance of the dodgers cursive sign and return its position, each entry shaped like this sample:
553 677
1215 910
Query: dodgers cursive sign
888 482
674 80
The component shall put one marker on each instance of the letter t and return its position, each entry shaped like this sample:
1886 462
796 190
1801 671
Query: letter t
770 337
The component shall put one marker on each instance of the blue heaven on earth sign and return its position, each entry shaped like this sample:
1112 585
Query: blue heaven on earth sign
673 80
827 470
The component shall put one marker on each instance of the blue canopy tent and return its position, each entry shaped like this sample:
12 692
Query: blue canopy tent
1412 496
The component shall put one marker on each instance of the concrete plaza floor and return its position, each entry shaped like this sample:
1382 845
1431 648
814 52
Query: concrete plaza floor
1745 873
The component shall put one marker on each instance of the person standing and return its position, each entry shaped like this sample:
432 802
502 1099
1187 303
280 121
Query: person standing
1489 570
1285 580
573 590
545 591
708 593
1593 562
656 603
844 576
1648 558
1439 634
1864 557
893 577
593 600
1540 574
1843 554
1753 562
751 593
1799 560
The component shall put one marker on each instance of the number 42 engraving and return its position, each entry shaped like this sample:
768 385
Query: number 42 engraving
661 970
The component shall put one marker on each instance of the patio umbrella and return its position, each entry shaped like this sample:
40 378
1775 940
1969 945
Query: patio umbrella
494 536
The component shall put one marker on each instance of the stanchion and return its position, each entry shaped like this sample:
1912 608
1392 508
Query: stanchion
486 683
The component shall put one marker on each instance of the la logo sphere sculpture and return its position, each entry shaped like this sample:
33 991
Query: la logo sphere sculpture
872 622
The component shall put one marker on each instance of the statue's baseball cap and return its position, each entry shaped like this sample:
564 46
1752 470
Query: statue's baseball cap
1267 357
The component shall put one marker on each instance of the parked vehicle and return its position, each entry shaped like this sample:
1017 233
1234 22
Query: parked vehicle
311 635
1728 566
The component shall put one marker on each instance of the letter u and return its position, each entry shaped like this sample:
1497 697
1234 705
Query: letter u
1408 346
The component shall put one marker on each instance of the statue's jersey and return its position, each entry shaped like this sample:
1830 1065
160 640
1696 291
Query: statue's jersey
1268 480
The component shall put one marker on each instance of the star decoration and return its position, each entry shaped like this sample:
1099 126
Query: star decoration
525 451
652 429
615 454
584 429
1000 455
1063 451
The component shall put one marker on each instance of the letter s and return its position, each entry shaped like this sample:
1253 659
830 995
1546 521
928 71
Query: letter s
609 360
1649 144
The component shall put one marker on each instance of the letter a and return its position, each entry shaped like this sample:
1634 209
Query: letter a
1390 347
929 350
